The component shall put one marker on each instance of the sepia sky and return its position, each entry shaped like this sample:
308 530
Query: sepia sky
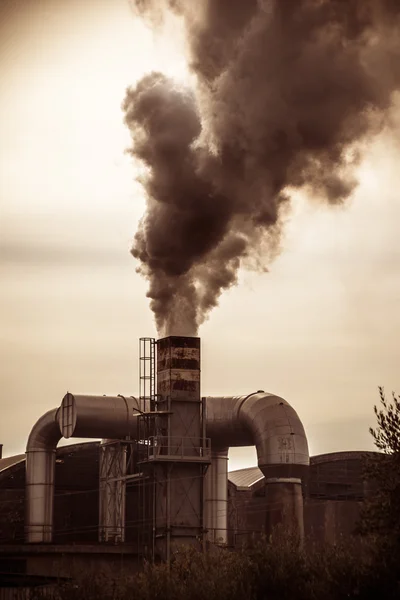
321 329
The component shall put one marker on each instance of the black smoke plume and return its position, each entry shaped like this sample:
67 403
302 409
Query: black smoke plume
287 94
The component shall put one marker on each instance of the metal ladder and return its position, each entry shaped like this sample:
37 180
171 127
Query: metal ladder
147 374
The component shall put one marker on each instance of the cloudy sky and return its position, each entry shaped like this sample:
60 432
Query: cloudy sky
321 329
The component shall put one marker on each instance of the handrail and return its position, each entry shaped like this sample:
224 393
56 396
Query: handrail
176 446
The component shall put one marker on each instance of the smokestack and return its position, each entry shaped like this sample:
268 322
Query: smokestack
285 96
180 458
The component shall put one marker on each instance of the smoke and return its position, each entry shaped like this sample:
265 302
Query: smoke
287 94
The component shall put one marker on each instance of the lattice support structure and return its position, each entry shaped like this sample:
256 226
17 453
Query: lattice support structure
112 491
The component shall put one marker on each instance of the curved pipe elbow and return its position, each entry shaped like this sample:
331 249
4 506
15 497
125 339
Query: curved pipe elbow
40 461
265 421
45 434
278 434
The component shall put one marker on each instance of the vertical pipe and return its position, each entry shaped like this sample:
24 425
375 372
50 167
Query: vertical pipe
216 497
40 467
40 495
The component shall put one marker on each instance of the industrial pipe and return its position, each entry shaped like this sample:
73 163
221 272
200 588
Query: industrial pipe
269 423
264 420
40 463
78 416
98 416
216 497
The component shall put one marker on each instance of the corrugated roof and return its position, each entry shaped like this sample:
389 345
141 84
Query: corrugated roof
10 461
245 478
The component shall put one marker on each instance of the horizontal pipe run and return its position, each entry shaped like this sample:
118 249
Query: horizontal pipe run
264 420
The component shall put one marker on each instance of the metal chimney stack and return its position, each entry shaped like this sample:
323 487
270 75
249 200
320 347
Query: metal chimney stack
179 452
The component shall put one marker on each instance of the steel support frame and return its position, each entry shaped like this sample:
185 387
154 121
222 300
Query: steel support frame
112 466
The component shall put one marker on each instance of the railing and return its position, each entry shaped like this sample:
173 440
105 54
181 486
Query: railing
175 448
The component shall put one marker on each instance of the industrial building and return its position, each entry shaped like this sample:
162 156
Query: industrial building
158 479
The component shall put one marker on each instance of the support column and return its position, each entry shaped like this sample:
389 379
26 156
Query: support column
285 506
216 498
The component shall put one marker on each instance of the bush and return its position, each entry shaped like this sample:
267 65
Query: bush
267 570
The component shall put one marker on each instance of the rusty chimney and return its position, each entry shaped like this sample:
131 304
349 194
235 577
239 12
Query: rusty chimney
181 461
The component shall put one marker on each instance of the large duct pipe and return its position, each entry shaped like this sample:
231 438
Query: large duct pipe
40 463
265 421
259 419
113 417
78 416
273 426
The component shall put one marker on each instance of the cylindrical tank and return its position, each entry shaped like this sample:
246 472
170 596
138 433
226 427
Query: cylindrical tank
284 506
